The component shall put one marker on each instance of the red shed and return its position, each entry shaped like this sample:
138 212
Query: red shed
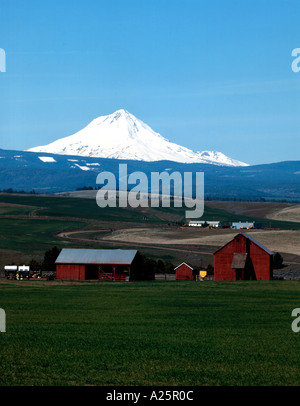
84 264
184 272
243 258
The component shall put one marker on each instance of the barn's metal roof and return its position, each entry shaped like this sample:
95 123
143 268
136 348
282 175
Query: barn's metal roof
242 223
249 238
258 243
94 256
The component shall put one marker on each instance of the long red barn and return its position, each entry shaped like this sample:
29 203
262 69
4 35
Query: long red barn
85 264
243 258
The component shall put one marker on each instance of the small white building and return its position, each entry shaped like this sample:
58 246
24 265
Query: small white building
10 267
246 225
17 272
205 223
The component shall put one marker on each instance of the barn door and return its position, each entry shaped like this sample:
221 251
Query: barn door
91 272
239 274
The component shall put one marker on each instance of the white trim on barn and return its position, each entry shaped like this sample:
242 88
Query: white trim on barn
184 263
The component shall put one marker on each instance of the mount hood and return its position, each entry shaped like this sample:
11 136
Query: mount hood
121 135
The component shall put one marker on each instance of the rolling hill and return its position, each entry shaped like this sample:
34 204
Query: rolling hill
51 173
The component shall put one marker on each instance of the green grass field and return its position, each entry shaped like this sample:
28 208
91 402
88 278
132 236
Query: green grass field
87 209
138 333
33 235
74 207
149 333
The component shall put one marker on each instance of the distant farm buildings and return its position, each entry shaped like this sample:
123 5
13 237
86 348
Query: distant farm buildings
203 223
246 225
17 272
238 225
87 264
243 258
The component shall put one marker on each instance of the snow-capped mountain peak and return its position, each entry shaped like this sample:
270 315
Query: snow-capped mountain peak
121 135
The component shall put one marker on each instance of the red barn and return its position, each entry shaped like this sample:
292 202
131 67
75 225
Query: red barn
85 264
243 258
184 272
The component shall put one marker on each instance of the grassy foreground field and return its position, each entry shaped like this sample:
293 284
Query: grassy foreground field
149 333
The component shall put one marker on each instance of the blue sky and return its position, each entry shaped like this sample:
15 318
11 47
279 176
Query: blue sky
209 75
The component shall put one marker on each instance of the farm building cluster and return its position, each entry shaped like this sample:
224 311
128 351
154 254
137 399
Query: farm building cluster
240 225
25 272
241 258
17 272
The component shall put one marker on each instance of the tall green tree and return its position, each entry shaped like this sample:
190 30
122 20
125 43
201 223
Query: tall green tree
49 259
